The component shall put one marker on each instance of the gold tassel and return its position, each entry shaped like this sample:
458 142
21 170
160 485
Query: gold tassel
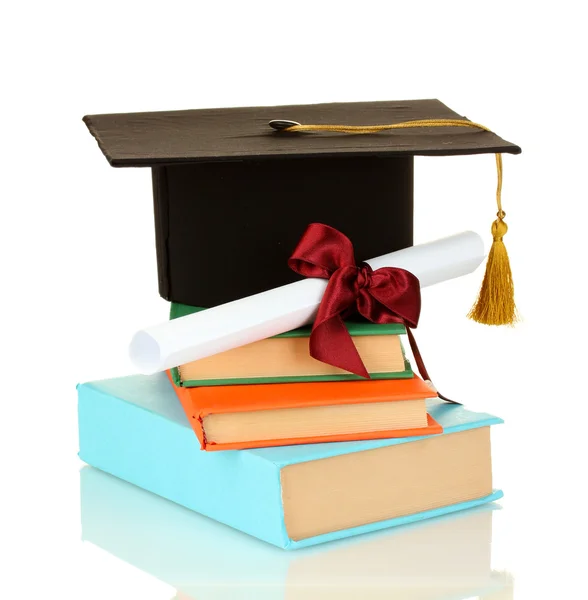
495 304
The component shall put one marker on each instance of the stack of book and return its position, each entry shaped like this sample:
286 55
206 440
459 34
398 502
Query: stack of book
294 464
273 393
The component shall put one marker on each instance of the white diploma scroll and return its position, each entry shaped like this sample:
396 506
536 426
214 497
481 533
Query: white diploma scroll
275 311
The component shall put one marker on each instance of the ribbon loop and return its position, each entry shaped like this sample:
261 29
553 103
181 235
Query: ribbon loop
386 295
321 251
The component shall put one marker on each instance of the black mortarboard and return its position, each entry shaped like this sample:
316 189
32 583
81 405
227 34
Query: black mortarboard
233 196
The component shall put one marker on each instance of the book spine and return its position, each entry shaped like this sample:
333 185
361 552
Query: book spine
239 489
194 419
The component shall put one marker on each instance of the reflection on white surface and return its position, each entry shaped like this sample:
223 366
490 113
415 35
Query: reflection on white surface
441 559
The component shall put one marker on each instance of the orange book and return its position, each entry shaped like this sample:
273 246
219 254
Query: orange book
236 417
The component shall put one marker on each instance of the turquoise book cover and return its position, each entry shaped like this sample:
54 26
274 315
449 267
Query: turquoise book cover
135 428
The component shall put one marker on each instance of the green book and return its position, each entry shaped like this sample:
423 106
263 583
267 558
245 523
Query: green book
284 358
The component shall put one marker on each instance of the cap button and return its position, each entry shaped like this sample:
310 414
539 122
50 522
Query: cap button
281 124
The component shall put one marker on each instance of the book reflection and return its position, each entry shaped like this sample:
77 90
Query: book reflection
448 558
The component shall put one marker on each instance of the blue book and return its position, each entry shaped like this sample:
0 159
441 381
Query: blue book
294 496
446 558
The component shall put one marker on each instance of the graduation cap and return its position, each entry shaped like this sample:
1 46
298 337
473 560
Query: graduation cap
234 188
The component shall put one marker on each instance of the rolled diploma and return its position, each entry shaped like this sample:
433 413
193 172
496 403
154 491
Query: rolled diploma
275 311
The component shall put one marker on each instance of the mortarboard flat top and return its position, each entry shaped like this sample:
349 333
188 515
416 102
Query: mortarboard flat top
213 135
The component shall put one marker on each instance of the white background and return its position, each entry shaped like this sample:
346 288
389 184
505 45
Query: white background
78 254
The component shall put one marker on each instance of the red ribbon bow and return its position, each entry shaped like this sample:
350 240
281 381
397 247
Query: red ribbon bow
386 295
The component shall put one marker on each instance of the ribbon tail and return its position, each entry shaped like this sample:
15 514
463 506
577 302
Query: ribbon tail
421 365
331 343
